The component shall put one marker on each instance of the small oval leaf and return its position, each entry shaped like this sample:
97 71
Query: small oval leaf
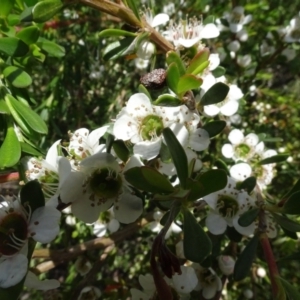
13 46
17 77
173 76
115 32
196 244
188 82
215 127
217 93
167 100
292 205
173 57
45 10
29 35
274 159
245 259
248 217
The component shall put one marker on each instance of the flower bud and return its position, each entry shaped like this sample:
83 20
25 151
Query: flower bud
226 264
146 50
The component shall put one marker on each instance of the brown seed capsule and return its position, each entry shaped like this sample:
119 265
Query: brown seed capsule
154 80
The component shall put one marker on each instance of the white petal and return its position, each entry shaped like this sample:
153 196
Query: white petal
211 110
13 270
125 128
236 136
113 225
186 281
32 281
64 169
215 223
52 154
187 43
160 19
229 108
87 213
181 133
228 150
139 295
240 171
44 224
147 283
139 105
210 31
95 135
128 208
99 229
100 160
134 161
147 149
251 139
235 27
199 140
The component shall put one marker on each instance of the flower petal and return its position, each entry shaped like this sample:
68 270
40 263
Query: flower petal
215 223
160 19
147 149
32 281
210 31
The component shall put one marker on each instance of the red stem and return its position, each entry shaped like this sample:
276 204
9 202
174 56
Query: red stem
9 177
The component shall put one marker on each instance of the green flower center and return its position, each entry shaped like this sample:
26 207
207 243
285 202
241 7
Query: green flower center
151 127
105 183
242 150
13 233
227 206
49 183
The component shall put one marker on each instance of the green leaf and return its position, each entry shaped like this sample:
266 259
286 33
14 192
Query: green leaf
5 7
32 194
148 180
29 35
13 20
117 49
132 5
173 76
188 82
286 223
215 127
51 48
173 57
143 89
13 292
294 189
10 151
196 244
26 148
199 59
220 164
45 10
201 68
3 107
248 217
212 180
290 234
274 159
24 116
178 156
291 291
292 205
121 150
13 46
218 72
167 100
115 32
17 77
217 93
245 259
248 184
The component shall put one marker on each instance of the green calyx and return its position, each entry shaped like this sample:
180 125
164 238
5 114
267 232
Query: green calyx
151 127
227 206
13 233
105 183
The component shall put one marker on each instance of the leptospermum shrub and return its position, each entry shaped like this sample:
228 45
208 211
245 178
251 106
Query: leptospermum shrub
156 149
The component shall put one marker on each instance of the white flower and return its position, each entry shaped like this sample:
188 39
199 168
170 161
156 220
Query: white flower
149 289
157 20
19 224
97 186
90 293
242 147
33 282
84 143
237 19
209 282
190 32
186 281
244 60
82 265
234 46
227 205
292 32
226 264
44 170
145 50
107 223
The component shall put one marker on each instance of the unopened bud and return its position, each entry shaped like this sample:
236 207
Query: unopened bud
146 50
248 294
226 264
